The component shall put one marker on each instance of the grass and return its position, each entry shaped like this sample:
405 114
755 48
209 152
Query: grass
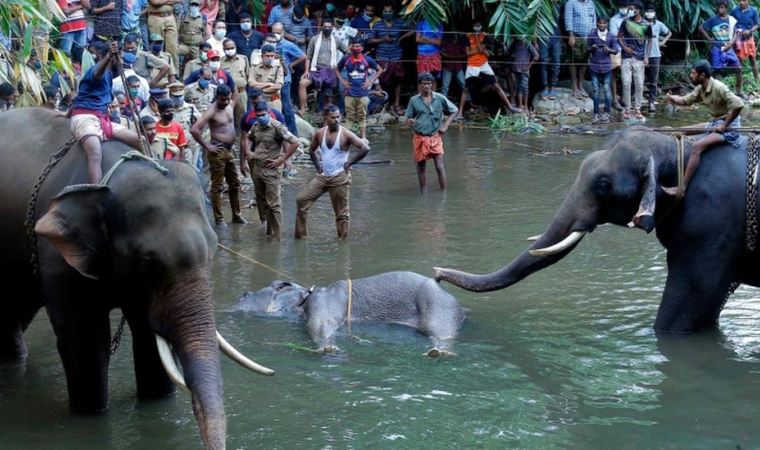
515 123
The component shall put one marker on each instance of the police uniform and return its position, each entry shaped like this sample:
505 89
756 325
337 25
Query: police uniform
191 66
267 142
261 73
202 100
191 31
161 21
155 93
186 115
147 63
237 66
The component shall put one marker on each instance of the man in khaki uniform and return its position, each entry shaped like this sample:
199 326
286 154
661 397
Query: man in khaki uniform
268 76
186 114
195 64
237 66
266 137
192 31
157 49
202 92
161 20
146 64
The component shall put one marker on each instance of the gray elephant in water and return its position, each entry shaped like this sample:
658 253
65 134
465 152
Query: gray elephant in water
404 298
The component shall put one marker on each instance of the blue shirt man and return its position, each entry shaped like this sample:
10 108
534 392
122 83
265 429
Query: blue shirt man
282 13
746 19
130 19
580 17
388 51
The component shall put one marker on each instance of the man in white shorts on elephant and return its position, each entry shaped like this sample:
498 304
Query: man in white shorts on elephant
90 123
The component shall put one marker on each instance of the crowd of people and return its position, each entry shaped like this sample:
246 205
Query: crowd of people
203 84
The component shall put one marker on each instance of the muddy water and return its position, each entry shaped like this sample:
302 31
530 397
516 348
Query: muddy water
565 359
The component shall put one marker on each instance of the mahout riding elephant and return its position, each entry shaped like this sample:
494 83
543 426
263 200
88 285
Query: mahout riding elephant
403 298
141 243
703 232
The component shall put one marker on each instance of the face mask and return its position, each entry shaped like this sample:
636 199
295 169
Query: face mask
195 11
203 57
623 11
339 22
388 16
230 52
649 15
356 51
278 36
245 26
263 120
203 83
178 100
115 116
267 61
214 65
133 92
156 48
630 13
220 34
38 65
167 117
367 17
326 32
329 7
477 29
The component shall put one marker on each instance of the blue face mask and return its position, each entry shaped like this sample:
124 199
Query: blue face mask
203 83
156 48
263 120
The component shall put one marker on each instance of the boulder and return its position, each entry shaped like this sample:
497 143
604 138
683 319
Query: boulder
305 129
564 101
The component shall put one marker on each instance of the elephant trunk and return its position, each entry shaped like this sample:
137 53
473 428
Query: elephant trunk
184 316
568 227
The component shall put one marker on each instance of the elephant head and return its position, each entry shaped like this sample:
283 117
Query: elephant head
617 186
277 298
146 237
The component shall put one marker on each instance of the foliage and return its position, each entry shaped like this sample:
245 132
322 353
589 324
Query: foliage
515 123
257 8
27 22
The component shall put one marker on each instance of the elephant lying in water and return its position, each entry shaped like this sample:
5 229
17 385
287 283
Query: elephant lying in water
141 243
704 233
404 298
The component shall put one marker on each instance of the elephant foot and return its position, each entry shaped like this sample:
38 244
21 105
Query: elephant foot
438 352
328 349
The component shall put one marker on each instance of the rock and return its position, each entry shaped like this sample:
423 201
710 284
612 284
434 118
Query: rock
305 129
564 101
569 120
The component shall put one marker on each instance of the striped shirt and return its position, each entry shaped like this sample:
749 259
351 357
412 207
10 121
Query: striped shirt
74 21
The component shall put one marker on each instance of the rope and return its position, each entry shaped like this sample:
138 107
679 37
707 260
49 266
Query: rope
249 259
132 155
680 164
350 301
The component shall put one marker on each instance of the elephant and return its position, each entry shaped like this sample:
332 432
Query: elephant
404 298
703 232
140 242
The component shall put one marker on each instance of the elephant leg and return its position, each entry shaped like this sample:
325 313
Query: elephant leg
15 319
150 376
696 288
83 332
12 346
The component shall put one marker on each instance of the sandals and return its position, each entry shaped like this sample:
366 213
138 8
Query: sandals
638 115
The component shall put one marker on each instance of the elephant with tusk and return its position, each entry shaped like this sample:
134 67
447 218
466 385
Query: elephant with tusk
704 232
404 298
140 242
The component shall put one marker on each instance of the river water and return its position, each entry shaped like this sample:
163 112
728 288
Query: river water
565 359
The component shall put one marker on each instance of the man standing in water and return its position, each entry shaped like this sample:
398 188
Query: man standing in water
425 114
333 166
221 120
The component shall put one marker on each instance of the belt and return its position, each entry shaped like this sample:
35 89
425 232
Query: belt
222 144
161 14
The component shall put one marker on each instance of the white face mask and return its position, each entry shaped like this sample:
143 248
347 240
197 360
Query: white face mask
245 26
214 64
649 15
220 33
278 36
195 11
231 52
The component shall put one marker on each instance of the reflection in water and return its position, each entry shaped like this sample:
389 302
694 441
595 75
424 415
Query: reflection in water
565 359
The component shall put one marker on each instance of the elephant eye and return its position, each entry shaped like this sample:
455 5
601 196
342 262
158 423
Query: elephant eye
602 185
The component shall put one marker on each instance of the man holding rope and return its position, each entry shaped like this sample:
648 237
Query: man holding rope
724 107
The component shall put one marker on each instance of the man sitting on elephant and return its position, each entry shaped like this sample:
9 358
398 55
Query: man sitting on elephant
89 119
724 107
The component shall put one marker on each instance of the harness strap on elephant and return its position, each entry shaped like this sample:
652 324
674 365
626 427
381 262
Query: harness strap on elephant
350 301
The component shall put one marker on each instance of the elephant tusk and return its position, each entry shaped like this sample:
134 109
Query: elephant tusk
564 244
535 238
167 359
241 359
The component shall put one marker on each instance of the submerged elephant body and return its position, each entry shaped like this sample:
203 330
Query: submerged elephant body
142 243
704 232
404 298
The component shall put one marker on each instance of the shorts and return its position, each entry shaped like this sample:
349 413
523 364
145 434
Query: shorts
473 71
522 81
83 125
721 59
731 137
426 147
429 63
746 48
324 77
578 52
393 72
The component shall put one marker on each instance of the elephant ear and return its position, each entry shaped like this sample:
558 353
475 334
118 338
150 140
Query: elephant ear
644 218
74 225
